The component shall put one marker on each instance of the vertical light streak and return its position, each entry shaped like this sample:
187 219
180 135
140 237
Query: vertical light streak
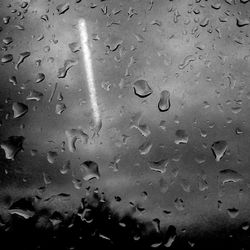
89 71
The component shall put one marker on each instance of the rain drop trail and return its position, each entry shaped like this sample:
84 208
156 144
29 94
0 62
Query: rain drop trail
89 73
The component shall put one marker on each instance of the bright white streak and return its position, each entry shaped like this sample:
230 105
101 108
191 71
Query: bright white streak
89 69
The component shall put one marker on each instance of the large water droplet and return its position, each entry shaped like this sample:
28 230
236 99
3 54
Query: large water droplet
142 88
19 109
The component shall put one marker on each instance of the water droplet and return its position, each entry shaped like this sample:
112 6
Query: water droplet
26 214
172 235
60 107
12 146
62 8
73 135
142 88
233 212
6 19
145 148
164 102
242 22
159 166
62 72
13 80
7 40
47 179
90 170
40 77
179 204
229 176
22 56
7 58
216 6
34 95
181 137
204 22
65 167
187 60
19 109
74 47
51 157
219 149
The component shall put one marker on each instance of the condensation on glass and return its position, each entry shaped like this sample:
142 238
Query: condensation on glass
125 123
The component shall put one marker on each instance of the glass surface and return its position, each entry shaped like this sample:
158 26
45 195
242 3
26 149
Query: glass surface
124 123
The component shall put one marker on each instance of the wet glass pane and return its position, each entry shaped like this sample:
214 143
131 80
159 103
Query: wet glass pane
124 123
